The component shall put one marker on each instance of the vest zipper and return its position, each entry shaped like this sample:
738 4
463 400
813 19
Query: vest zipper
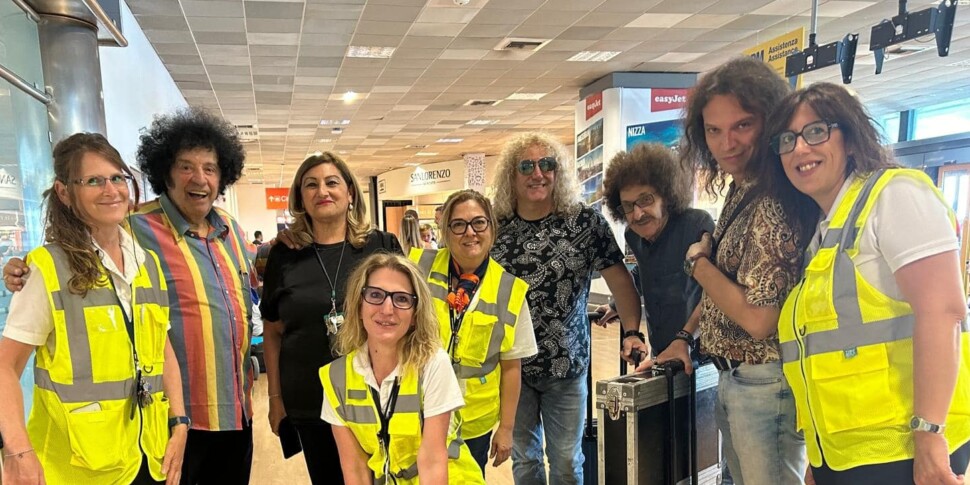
801 365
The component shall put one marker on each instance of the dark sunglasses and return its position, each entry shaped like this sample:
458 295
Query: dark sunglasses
644 201
546 164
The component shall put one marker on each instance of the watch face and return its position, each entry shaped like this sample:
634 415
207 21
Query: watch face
688 267
914 423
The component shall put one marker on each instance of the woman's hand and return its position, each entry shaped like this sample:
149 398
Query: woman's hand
501 445
276 414
809 478
931 465
174 453
23 470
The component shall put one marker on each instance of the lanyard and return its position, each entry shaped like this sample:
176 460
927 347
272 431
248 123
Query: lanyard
385 415
141 391
333 319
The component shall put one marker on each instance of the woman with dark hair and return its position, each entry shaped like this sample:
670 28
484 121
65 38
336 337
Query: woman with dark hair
303 295
874 339
95 311
650 191
484 320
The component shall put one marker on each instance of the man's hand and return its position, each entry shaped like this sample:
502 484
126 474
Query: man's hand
632 343
809 478
931 465
677 350
609 315
501 445
15 274
701 248
174 452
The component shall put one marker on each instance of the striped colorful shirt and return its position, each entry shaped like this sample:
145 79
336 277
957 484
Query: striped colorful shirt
209 281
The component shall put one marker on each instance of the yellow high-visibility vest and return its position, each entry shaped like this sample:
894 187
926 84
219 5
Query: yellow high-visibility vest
485 333
848 349
81 424
350 397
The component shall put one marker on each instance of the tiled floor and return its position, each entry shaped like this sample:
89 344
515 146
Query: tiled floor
269 467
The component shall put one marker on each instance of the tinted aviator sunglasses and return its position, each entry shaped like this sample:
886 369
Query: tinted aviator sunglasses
546 164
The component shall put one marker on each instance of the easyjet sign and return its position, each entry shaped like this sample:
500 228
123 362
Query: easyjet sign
667 99
594 104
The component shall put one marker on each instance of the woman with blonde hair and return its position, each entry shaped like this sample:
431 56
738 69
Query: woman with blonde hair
303 295
410 233
95 310
389 398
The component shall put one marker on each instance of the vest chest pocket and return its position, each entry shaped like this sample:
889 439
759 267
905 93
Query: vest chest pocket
854 391
99 439
109 344
405 431
474 337
815 304
153 323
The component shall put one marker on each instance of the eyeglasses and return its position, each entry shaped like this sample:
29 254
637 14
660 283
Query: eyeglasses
118 180
459 226
814 133
644 201
401 300
546 164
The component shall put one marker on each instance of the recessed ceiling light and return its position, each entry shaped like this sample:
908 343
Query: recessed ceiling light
350 96
417 146
325 140
482 122
449 140
426 154
594 56
412 164
317 153
370 51
342 152
334 122
525 96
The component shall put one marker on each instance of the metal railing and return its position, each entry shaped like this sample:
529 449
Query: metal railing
31 13
23 85
104 19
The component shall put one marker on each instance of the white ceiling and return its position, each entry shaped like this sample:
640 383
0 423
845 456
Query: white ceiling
281 65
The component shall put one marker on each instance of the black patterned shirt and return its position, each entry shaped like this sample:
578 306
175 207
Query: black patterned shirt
557 256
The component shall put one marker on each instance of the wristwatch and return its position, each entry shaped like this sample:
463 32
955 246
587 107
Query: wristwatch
690 262
177 420
634 333
920 424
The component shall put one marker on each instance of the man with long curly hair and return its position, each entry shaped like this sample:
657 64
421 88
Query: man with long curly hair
190 157
555 243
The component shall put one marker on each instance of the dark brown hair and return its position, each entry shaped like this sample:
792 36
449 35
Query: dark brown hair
358 227
64 225
757 88
648 164
464 196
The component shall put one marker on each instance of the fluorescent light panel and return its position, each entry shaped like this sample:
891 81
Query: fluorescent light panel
372 52
525 96
426 154
485 122
450 140
594 56
334 122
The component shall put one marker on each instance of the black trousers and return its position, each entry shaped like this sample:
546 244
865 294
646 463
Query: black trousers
320 453
144 476
218 457
479 448
895 473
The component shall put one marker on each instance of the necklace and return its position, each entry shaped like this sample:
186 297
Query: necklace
333 319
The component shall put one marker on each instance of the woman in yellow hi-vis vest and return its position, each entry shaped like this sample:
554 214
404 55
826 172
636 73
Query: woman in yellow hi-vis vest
484 322
390 396
106 382
874 339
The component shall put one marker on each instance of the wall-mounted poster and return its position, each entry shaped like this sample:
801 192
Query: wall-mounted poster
667 133
589 161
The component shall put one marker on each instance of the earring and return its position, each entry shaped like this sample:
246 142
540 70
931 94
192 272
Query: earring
350 207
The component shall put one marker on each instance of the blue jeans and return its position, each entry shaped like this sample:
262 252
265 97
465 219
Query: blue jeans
755 412
558 408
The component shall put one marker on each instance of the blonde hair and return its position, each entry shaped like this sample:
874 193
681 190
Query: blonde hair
358 227
421 341
410 234
467 195
565 191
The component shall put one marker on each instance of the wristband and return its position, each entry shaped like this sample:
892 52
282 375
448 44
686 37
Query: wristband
685 336
634 333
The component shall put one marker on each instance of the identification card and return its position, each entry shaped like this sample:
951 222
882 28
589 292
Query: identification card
334 320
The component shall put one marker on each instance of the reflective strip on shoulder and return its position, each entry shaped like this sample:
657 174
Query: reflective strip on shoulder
426 261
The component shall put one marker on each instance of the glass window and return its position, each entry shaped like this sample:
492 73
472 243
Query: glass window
889 127
24 149
942 119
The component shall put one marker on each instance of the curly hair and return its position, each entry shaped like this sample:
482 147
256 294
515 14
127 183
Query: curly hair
464 196
648 164
358 227
64 225
188 129
421 341
565 192
757 88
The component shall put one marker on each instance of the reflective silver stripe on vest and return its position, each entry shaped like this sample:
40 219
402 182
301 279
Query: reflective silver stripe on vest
852 332
454 450
426 261
364 414
84 389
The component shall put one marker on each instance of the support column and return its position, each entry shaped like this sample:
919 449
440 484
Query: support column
474 171
68 35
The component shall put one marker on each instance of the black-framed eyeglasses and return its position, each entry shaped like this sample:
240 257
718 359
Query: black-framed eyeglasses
546 164
814 133
459 226
644 201
401 300
118 180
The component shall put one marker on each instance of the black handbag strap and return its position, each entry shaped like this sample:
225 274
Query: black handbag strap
715 242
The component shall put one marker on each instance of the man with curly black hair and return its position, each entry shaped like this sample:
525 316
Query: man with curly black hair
191 157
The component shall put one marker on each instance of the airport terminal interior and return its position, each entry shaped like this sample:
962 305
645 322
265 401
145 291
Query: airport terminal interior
419 97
